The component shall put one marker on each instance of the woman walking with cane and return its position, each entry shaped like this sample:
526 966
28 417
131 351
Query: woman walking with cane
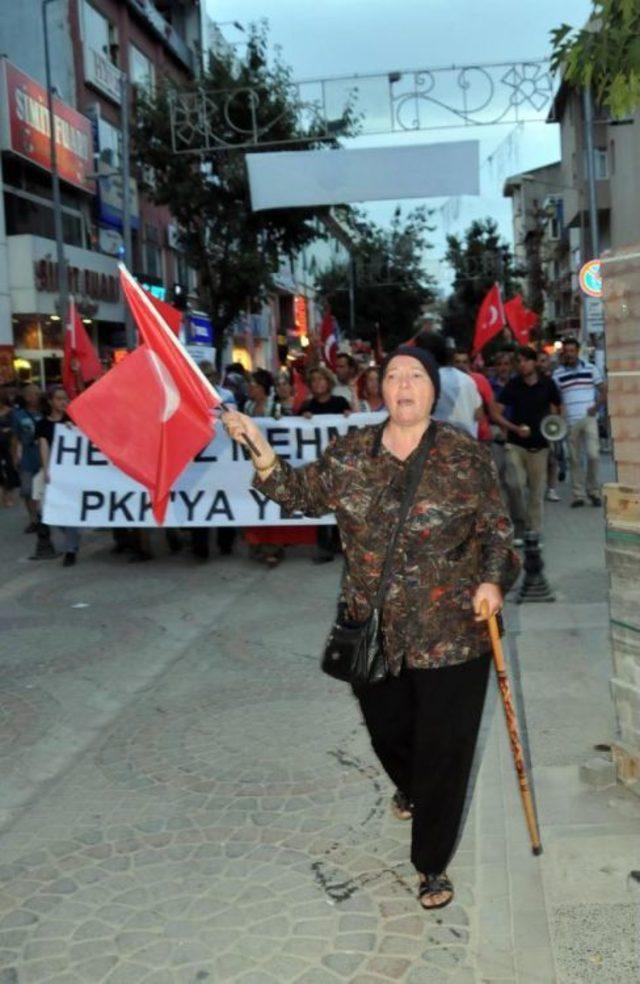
452 559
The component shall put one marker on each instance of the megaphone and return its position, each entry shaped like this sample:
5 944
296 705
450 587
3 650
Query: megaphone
553 427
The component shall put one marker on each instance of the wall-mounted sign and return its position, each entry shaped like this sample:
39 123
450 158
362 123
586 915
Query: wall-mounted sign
88 283
594 314
110 198
199 329
110 241
590 279
25 128
300 315
102 74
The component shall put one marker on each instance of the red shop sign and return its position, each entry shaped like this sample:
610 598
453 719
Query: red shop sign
26 128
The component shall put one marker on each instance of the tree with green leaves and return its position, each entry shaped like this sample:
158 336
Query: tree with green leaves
235 251
605 54
391 283
478 259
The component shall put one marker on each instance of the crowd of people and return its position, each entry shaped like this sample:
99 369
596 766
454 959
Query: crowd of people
502 403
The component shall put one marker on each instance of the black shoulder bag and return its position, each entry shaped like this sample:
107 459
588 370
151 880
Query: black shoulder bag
354 651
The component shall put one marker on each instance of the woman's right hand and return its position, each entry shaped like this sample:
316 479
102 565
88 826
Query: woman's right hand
239 427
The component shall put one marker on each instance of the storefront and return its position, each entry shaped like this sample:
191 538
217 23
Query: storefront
38 333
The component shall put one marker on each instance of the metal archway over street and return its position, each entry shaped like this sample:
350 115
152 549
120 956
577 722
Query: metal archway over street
206 121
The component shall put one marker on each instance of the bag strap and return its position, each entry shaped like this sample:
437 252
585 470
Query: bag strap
415 471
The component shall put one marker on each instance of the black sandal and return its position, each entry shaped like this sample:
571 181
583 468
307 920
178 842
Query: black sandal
434 885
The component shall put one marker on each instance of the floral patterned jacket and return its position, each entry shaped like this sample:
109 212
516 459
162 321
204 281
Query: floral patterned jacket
457 535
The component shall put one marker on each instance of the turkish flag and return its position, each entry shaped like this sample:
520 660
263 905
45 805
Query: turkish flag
329 339
520 319
490 319
152 413
171 315
78 348
300 390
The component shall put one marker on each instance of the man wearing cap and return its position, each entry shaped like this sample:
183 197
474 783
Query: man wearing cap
454 557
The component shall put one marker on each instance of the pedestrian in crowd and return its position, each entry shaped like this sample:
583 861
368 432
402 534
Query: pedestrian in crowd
455 557
501 371
283 403
459 402
347 379
25 451
324 400
371 399
530 397
583 395
236 379
199 535
9 479
56 413
261 398
462 361
210 372
264 542
545 369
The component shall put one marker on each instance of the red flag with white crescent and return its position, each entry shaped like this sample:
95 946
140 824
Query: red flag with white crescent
490 319
80 357
152 413
329 339
520 319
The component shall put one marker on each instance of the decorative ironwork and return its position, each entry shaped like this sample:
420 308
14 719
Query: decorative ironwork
206 121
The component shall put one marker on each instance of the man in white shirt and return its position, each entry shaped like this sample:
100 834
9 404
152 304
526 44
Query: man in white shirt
459 402
583 393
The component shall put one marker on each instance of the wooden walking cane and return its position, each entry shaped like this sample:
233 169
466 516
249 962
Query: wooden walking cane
512 728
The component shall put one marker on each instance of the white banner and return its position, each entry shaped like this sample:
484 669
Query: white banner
288 179
214 490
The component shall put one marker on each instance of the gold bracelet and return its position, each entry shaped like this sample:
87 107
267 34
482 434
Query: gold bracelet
266 468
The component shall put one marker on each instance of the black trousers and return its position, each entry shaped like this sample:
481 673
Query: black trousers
423 726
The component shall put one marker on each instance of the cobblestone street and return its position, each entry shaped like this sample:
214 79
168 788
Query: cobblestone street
186 798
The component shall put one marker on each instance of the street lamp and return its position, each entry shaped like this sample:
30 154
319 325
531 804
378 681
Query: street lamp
63 280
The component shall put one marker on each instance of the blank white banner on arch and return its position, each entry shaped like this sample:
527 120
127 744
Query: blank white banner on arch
294 179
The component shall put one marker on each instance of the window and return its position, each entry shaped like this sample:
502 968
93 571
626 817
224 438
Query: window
553 208
24 214
141 69
152 252
98 32
182 269
110 139
601 163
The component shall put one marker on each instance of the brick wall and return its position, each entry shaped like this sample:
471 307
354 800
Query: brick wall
621 274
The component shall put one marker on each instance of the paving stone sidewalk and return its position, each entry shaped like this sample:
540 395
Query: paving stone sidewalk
188 799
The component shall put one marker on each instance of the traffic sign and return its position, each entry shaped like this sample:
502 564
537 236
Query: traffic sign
594 315
590 279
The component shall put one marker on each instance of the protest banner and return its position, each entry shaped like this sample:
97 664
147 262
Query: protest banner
84 489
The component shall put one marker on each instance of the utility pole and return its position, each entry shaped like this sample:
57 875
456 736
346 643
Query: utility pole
127 258
587 103
63 280
587 106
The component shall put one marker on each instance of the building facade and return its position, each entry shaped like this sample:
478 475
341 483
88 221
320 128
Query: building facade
92 45
561 191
